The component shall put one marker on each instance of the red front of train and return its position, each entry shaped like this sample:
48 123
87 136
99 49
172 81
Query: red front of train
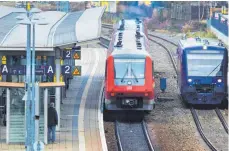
129 82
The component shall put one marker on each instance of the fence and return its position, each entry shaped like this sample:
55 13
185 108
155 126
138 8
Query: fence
220 23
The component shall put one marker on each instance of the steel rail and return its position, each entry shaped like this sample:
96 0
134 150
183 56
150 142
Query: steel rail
200 129
146 133
173 43
222 120
118 136
169 52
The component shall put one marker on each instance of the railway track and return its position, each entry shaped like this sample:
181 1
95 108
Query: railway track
132 135
200 129
222 120
193 111
162 42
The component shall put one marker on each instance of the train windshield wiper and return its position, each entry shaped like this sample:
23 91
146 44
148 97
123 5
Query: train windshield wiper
214 69
135 77
124 74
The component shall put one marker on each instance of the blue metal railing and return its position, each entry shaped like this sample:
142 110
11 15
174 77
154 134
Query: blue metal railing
220 23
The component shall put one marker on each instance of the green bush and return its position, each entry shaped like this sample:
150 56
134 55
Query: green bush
201 34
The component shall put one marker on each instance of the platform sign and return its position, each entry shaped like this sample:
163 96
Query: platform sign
21 70
74 52
40 70
3 59
66 69
77 55
76 71
67 54
12 70
17 70
49 70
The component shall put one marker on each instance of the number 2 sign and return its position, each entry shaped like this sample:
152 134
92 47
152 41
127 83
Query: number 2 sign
66 70
67 54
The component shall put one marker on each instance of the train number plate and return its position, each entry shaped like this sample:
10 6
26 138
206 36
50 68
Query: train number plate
130 102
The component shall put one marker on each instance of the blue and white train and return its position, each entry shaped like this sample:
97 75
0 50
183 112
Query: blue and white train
202 71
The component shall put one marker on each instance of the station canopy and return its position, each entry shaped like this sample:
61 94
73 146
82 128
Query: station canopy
61 29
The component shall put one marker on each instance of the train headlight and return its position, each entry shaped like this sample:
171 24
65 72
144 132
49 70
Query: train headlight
189 80
219 80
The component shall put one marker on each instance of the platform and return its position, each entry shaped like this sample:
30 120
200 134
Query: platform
80 112
64 30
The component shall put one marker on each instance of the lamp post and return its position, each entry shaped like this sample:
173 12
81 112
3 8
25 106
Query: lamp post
30 100
35 126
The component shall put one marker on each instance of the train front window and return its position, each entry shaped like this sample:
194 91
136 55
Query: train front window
129 68
205 64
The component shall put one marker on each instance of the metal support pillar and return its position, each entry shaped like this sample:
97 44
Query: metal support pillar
28 136
37 111
46 115
58 93
58 89
33 88
7 115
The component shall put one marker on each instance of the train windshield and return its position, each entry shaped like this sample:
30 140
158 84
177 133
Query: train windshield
205 64
129 68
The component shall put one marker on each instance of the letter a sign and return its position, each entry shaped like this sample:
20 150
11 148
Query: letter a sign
49 70
4 70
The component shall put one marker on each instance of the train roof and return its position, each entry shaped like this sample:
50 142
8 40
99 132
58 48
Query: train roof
129 40
131 24
198 42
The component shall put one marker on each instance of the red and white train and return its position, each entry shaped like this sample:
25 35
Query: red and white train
129 78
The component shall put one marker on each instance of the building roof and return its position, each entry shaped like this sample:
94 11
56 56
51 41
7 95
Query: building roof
5 10
62 28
